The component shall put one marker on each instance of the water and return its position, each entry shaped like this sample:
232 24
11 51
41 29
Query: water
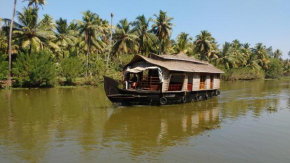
248 122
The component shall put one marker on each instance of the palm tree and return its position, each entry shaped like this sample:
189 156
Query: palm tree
270 51
261 52
203 44
182 44
3 39
251 60
125 38
226 58
278 54
9 83
91 27
236 50
64 36
36 3
146 39
47 23
32 34
162 28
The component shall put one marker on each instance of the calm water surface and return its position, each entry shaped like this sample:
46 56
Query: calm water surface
248 122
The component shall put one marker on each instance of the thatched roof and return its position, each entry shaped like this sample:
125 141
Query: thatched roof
179 62
178 57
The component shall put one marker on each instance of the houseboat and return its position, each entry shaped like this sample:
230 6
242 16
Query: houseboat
163 80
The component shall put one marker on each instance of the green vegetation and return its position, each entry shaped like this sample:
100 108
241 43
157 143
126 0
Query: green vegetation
3 66
71 68
77 52
275 69
35 70
245 73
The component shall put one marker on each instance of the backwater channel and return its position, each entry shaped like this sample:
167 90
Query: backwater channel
248 122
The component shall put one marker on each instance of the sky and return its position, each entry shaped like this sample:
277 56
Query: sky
249 21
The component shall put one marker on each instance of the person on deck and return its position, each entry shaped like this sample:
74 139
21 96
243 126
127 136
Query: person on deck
134 78
134 81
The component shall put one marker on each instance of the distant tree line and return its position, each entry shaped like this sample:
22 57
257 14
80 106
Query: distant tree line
80 50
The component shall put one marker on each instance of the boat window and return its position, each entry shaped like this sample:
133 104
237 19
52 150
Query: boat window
176 82
202 81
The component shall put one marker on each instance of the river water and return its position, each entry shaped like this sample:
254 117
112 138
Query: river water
248 122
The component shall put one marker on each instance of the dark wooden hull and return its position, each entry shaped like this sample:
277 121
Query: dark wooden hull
141 97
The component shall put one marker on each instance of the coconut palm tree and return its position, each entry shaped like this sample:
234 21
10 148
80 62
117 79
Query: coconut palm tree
261 52
36 3
204 44
251 60
236 50
278 54
10 44
3 39
226 58
126 40
64 36
91 27
270 51
162 28
31 33
146 39
183 44
47 23
73 26
253 63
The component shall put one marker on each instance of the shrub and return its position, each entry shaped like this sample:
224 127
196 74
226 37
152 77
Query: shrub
275 69
71 68
35 70
243 74
3 67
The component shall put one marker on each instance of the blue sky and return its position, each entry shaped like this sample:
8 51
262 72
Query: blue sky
251 21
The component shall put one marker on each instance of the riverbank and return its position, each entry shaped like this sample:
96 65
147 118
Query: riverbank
90 82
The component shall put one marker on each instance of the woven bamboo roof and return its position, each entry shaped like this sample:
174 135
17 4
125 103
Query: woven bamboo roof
179 62
179 57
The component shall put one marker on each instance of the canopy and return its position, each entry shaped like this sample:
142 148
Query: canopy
142 66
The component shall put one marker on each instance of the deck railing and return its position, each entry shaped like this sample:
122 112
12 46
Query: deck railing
150 83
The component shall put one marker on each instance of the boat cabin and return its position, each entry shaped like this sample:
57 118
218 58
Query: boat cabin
170 73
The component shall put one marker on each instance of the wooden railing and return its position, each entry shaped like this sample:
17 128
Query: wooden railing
175 87
151 83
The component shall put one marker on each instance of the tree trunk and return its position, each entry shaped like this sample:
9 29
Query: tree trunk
160 47
30 49
110 42
88 53
9 83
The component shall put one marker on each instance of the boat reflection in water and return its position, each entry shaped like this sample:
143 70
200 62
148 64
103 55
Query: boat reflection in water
153 129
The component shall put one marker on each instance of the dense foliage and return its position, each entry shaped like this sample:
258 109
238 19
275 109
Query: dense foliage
3 66
35 70
275 69
71 68
85 49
